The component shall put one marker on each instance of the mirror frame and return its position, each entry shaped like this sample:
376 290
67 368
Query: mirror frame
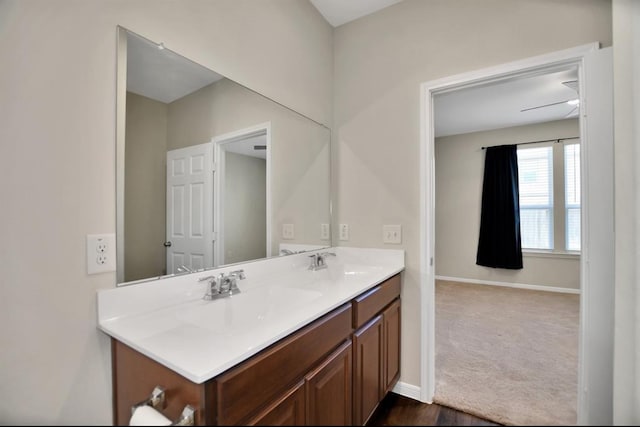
121 98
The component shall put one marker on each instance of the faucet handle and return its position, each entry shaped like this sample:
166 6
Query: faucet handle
238 273
316 260
212 289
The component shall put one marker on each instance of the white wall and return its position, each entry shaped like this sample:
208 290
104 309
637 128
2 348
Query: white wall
380 61
57 157
626 65
459 172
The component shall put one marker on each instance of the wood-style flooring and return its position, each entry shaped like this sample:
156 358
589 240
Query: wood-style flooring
396 410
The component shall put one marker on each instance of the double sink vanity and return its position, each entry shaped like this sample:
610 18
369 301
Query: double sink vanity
308 338
208 323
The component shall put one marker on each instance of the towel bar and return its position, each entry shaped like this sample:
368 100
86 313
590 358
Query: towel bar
157 400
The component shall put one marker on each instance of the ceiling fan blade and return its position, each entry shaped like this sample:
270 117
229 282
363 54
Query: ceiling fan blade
572 84
572 111
545 105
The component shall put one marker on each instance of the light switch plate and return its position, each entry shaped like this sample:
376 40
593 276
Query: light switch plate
101 253
325 232
344 232
392 234
288 231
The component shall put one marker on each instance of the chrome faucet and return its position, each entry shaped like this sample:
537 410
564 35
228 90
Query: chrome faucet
222 286
318 261
228 283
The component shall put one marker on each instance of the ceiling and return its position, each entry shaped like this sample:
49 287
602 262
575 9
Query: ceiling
161 74
500 105
338 12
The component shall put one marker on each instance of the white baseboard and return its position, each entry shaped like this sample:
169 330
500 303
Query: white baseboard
408 390
511 285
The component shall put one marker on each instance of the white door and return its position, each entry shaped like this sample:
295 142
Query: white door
190 208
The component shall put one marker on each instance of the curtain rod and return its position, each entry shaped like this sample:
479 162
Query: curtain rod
536 142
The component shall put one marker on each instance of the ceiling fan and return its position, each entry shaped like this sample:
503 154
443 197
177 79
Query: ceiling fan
575 102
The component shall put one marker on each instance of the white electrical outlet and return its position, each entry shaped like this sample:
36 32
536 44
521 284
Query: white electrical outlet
101 253
325 232
288 232
392 234
344 232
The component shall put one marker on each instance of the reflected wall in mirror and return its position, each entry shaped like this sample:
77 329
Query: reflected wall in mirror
210 172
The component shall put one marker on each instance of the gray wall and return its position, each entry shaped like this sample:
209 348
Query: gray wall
458 179
145 195
245 205
380 62
58 83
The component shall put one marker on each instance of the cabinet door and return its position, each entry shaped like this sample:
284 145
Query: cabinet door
329 390
368 365
391 320
289 410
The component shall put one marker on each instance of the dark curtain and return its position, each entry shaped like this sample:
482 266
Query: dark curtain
499 245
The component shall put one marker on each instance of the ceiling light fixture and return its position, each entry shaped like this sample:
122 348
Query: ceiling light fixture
573 102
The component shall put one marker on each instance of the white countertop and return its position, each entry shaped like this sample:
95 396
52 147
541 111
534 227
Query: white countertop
168 321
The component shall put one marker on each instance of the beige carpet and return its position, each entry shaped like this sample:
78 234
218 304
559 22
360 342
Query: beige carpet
505 354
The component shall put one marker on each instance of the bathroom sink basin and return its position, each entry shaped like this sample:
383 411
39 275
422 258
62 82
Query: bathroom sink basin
338 273
247 309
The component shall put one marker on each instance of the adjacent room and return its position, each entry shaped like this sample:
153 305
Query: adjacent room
512 331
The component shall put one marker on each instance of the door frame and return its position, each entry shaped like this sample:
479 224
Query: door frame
569 57
219 143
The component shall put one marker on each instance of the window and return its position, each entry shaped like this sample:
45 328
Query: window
550 221
572 195
535 172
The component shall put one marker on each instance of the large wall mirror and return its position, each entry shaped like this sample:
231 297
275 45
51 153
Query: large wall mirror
210 172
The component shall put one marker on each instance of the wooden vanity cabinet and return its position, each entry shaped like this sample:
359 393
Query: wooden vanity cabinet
294 379
258 382
333 371
376 342
329 390
288 410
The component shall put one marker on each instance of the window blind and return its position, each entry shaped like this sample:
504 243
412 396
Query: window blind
535 168
572 195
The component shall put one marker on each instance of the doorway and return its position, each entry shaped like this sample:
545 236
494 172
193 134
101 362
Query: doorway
242 196
595 358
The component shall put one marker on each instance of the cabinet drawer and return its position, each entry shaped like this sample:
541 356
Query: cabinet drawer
248 387
373 301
